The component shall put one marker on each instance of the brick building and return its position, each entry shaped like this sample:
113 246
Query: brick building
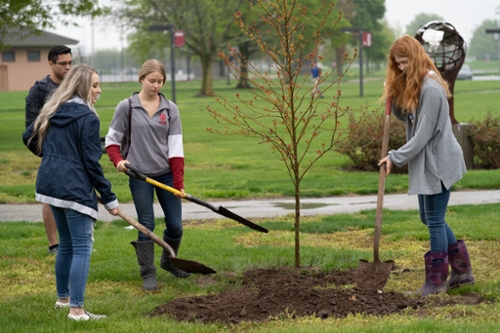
25 60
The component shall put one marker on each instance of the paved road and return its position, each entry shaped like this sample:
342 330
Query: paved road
270 208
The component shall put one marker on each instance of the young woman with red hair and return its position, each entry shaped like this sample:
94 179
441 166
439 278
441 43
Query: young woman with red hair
435 160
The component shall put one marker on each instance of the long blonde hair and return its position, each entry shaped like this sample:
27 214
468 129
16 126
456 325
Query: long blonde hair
78 82
404 88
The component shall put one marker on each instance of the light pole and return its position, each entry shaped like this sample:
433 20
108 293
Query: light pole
496 32
122 57
360 33
170 28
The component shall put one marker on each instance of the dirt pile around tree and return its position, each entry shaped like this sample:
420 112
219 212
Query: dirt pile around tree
267 293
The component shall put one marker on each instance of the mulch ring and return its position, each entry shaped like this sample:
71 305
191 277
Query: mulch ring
274 292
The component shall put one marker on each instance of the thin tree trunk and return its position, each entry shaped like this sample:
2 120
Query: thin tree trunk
339 54
297 226
245 54
207 77
296 171
243 79
222 68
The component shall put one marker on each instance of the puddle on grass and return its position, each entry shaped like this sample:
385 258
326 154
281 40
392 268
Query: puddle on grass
302 206
364 203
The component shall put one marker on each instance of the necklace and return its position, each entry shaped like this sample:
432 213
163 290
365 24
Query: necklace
411 116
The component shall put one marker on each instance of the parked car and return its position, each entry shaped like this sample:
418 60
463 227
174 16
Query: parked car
465 73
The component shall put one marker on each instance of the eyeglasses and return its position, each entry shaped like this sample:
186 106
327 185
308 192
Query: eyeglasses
64 63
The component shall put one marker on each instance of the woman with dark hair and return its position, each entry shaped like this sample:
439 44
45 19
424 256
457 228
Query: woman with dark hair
435 160
66 136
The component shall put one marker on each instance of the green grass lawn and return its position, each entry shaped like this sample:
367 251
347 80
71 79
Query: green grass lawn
219 166
336 242
488 67
238 167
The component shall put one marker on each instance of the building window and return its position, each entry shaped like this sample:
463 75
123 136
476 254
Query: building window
33 56
8 56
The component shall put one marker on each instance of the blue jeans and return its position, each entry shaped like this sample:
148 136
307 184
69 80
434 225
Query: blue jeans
432 212
76 237
143 195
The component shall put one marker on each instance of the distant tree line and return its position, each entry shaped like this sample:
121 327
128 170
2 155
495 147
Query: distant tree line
209 27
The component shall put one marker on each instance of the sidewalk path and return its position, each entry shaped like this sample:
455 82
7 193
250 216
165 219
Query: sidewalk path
269 208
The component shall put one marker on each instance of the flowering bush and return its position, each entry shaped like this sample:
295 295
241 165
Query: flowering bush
365 144
486 146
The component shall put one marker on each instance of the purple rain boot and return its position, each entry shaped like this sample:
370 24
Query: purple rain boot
436 273
461 269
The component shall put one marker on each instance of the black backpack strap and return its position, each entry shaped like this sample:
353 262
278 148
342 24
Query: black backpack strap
129 127
126 141
168 105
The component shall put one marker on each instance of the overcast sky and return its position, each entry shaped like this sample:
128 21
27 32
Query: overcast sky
465 15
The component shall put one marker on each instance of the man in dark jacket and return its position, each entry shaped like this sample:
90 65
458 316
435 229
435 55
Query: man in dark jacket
60 61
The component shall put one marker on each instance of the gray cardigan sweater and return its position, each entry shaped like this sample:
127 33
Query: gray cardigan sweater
432 153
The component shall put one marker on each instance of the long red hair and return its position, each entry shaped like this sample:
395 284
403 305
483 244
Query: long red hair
404 88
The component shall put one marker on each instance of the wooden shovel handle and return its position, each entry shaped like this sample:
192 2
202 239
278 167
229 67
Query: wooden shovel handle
147 232
381 182
144 230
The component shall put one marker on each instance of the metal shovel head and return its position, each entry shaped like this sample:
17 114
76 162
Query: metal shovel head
190 266
229 214
373 275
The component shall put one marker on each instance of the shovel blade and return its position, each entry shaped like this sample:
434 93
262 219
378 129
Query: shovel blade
190 266
229 214
373 276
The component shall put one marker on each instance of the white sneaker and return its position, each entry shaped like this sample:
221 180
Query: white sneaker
60 305
86 316
53 250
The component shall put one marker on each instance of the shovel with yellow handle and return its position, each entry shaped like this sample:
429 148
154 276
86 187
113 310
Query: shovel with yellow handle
135 173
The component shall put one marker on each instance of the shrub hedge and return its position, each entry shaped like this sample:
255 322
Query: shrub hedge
485 142
364 147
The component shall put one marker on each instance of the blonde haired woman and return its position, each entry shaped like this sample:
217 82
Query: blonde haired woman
435 160
66 136
156 149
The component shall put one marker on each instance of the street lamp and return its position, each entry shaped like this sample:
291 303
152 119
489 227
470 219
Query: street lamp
170 28
496 31
360 33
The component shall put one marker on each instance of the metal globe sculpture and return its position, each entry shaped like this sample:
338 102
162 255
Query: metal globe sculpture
447 49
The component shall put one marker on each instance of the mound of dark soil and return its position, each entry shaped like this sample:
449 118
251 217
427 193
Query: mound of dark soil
266 293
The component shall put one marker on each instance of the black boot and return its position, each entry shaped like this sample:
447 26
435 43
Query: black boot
165 262
145 258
